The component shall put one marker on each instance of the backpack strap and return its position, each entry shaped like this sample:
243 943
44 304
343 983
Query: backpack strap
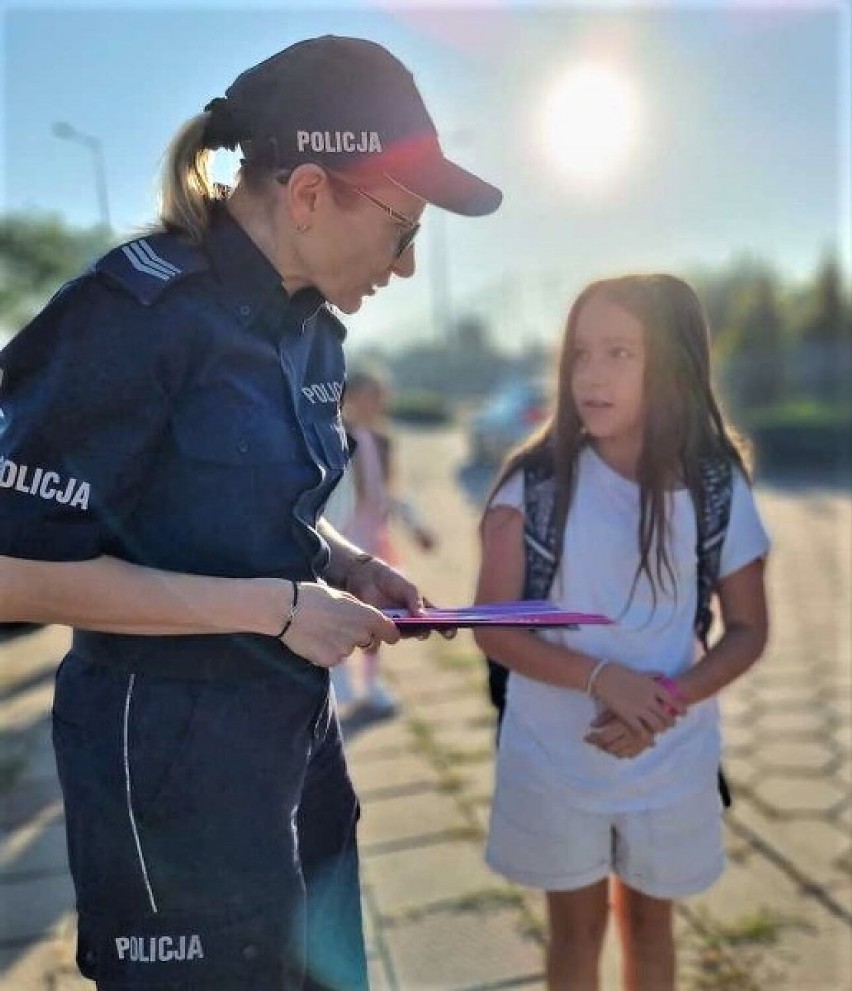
540 537
713 513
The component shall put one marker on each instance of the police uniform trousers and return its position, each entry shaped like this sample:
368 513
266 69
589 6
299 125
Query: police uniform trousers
211 832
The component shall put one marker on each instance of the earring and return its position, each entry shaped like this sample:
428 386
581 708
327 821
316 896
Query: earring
301 228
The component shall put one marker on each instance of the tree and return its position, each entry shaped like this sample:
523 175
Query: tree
827 318
38 254
756 330
825 334
721 291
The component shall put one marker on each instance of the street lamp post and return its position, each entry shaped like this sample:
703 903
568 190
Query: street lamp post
442 314
63 130
442 302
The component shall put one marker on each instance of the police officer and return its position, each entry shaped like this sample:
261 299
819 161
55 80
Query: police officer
171 432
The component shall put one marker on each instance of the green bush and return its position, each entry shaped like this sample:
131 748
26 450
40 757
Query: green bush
421 406
802 434
802 412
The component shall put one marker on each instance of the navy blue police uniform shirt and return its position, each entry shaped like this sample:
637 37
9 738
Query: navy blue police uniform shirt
175 408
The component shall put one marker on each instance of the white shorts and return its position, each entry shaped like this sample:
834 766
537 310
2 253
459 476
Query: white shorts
669 852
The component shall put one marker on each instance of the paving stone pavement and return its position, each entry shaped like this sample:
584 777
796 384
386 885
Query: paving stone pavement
436 918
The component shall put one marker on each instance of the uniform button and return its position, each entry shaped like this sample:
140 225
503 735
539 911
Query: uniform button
90 956
250 952
242 446
244 311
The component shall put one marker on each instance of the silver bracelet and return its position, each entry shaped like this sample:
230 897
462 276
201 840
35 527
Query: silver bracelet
288 622
596 670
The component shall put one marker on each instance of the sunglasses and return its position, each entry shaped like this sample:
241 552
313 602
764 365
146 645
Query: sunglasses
411 226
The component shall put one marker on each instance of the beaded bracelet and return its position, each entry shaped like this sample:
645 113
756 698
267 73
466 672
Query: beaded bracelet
293 606
673 689
596 670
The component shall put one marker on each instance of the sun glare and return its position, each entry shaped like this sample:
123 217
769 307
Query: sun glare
590 124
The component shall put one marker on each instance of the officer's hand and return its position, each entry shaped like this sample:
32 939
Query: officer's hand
330 624
376 582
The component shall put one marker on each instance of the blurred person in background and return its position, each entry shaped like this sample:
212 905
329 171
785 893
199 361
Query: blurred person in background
171 432
368 500
609 749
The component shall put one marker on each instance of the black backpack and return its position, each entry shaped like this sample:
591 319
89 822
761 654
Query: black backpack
713 511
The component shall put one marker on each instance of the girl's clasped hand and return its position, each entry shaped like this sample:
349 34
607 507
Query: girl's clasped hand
636 708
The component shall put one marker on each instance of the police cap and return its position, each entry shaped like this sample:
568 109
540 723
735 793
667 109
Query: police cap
349 105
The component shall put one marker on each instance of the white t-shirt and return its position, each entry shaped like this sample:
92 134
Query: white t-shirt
543 731
341 503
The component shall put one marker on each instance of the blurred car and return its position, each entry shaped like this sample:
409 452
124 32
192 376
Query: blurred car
512 413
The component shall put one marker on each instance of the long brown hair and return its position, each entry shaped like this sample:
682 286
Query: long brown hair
683 422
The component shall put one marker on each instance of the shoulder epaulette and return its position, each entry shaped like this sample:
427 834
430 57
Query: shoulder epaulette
148 266
540 538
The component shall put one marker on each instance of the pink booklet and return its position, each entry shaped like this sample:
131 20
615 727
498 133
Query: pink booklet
537 613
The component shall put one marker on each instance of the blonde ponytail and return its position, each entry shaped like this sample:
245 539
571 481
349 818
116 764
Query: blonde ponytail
187 191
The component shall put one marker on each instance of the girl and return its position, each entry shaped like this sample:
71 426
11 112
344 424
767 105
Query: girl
610 746
363 509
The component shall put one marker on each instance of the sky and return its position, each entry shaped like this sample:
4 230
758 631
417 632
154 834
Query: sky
688 134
